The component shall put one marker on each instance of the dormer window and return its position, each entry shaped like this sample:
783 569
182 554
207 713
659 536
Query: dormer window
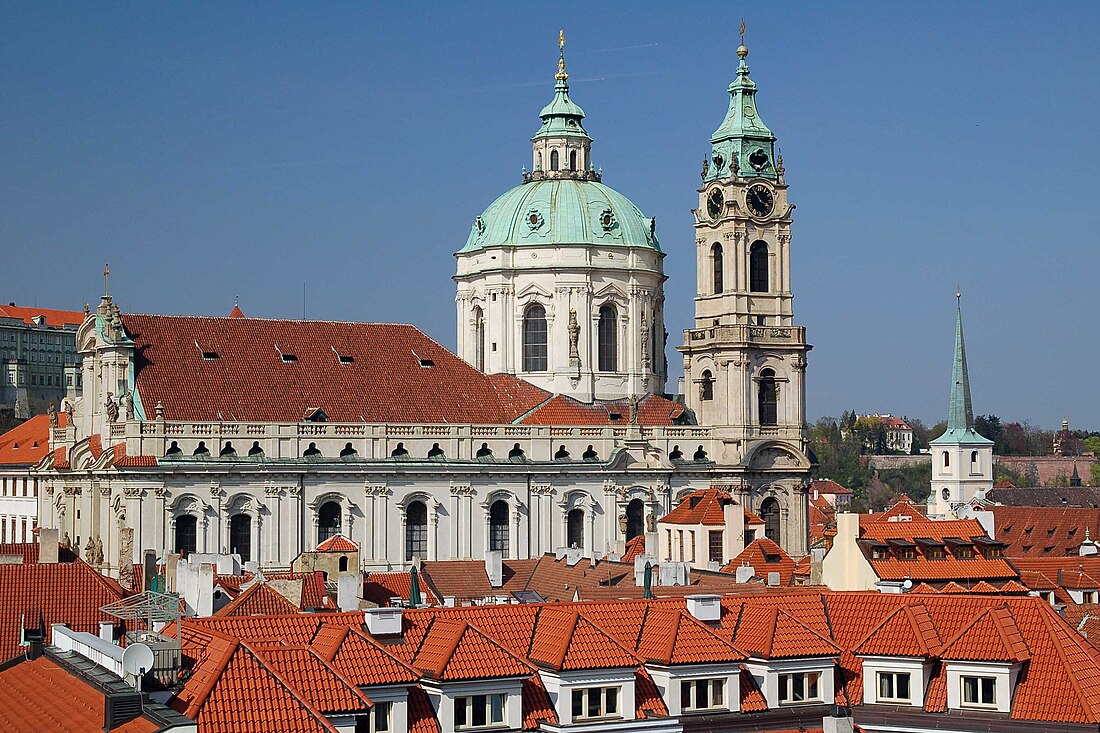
377 720
289 358
209 355
345 359
596 702
979 692
893 687
701 695
479 711
799 687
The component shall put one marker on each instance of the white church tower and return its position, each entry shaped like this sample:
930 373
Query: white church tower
962 460
561 280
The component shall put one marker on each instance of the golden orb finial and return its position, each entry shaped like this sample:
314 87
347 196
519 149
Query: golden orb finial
562 75
742 50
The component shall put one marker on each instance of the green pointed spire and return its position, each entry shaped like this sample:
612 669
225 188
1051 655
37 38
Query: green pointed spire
742 145
960 413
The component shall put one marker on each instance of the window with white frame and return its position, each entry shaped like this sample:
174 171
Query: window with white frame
893 686
1088 596
479 711
799 687
979 691
702 694
377 720
596 702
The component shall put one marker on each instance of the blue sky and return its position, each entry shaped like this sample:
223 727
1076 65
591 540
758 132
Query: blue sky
215 150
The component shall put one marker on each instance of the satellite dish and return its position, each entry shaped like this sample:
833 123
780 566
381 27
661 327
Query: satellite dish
906 585
137 659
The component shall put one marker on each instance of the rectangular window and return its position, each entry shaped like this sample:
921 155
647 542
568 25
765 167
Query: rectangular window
799 687
377 721
716 546
979 691
479 711
596 702
893 687
702 694
1088 596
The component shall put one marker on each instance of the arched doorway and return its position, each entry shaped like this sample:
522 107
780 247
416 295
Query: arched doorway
416 531
328 521
635 518
574 536
186 534
240 536
769 512
768 398
498 526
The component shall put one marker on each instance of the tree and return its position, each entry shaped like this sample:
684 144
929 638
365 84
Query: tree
1031 475
920 434
989 426
1014 440
1094 474
937 430
1092 444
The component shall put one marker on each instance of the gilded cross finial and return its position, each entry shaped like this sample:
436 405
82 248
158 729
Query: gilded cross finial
561 56
742 50
106 274
958 293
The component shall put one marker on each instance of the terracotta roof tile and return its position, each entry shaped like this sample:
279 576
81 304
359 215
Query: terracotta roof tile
537 707
454 650
752 699
338 543
828 486
361 660
1043 531
40 696
28 442
69 593
319 684
381 587
772 633
565 640
991 637
259 599
672 636
765 556
947 569
120 458
564 410
908 632
421 714
250 381
634 548
54 318
647 698
705 506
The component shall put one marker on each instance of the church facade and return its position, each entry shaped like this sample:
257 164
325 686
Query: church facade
547 429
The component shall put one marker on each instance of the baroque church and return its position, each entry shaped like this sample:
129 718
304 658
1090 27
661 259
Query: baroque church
548 429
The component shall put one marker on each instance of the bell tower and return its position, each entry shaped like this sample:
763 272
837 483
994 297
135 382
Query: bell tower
745 359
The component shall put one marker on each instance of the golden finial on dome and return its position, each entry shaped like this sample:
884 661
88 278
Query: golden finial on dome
561 56
742 50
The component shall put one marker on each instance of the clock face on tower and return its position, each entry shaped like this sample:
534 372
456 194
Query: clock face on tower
760 200
714 203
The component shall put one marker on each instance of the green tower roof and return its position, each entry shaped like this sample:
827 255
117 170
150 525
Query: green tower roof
562 116
960 414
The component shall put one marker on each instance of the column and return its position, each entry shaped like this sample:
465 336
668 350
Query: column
590 533
273 553
513 536
456 522
433 530
254 535
293 512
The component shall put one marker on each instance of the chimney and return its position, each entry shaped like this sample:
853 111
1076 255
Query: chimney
347 591
48 544
494 568
383 621
773 578
839 720
745 573
107 631
705 607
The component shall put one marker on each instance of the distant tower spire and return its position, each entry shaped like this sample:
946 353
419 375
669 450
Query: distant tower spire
960 415
106 274
742 50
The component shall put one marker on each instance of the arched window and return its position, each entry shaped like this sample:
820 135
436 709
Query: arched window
716 265
498 526
479 339
538 162
769 512
186 534
416 530
635 518
575 528
758 267
706 388
572 160
768 398
534 339
946 460
328 521
343 563
608 341
974 465
240 536
553 160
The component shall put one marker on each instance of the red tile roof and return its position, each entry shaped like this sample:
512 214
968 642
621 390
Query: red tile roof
421 713
338 543
565 640
991 637
752 699
647 698
259 599
672 636
772 633
634 548
454 651
705 506
28 443
828 486
379 588
277 370
69 593
40 696
765 556
322 686
54 318
360 659
1043 531
908 632
122 460
537 707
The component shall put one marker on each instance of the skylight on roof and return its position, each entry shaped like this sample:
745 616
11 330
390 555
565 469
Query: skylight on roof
209 355
345 359
289 358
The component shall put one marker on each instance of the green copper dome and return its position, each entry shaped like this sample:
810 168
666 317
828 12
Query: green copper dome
562 211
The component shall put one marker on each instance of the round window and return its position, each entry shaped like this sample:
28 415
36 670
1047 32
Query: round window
946 494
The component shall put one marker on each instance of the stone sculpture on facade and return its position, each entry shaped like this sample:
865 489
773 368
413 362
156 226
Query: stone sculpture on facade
645 341
112 409
66 541
51 410
623 523
97 559
706 169
89 551
574 337
127 400
651 523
